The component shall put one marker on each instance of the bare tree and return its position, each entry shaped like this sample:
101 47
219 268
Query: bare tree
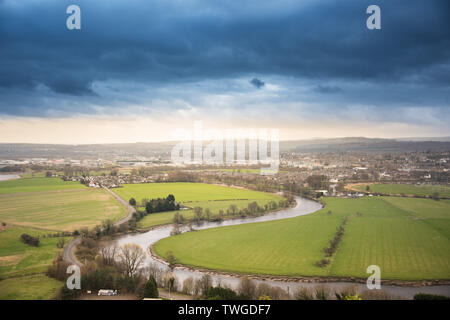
198 214
233 209
108 254
153 270
131 257
247 288
205 284
188 285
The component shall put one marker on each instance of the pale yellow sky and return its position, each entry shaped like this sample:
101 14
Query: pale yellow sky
89 130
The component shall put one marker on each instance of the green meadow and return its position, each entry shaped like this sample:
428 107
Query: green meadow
19 259
407 238
32 287
23 267
52 204
192 195
407 189
39 206
37 185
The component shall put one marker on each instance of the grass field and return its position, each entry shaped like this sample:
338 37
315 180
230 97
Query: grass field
191 195
404 236
22 267
39 206
37 185
49 203
33 287
407 189
18 258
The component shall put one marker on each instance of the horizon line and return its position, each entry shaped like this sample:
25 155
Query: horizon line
284 140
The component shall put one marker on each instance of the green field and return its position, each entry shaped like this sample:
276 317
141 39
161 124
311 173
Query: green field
18 258
49 203
22 267
33 287
407 189
405 237
37 185
39 206
191 195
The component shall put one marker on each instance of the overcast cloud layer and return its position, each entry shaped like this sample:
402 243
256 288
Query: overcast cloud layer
305 59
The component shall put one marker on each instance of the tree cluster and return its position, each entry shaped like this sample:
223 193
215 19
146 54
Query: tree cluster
30 240
161 205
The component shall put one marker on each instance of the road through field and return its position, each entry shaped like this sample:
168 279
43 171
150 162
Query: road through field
130 208
69 250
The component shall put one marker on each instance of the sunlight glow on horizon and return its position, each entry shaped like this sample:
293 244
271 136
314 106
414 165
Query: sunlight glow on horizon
99 130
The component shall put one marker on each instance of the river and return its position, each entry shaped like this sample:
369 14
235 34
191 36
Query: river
4 177
303 207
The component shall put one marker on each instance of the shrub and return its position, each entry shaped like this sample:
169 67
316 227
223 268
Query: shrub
219 293
355 297
60 244
427 296
376 295
67 294
322 263
171 259
58 269
348 291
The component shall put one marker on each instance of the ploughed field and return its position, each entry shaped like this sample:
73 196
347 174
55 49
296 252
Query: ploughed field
39 207
409 239
406 189
191 195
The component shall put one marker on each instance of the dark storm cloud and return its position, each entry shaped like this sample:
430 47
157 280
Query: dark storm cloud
257 83
327 89
163 43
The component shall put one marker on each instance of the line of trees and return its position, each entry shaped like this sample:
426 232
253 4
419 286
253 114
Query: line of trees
334 243
253 209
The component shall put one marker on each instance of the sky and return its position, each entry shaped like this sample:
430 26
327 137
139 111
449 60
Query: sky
139 69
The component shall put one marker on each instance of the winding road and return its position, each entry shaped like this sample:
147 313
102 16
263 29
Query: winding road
69 250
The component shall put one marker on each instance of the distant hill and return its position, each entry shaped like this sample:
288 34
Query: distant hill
360 144
91 151
143 149
442 139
